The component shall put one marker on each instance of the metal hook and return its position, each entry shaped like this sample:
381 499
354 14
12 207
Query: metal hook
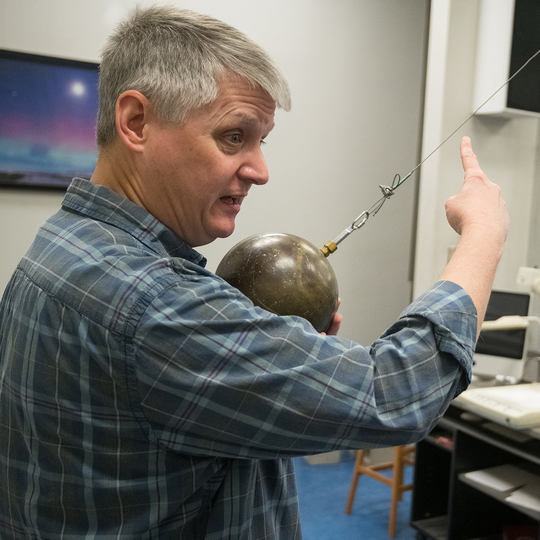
360 221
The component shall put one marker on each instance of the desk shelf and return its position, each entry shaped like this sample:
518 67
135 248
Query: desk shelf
499 497
444 506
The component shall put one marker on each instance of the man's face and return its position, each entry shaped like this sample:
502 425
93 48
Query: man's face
196 175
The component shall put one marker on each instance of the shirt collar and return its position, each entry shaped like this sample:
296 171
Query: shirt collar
103 204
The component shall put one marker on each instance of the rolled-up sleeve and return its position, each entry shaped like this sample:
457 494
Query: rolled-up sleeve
453 315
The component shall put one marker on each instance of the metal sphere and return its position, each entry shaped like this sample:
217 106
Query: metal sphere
284 274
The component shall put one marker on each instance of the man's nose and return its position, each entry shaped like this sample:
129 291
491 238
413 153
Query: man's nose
254 168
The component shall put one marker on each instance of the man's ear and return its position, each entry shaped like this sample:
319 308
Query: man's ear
133 112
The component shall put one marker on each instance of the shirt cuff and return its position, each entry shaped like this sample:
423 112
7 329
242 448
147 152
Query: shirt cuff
454 317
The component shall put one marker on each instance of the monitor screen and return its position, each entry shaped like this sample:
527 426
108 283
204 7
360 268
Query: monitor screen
506 343
524 90
503 352
48 110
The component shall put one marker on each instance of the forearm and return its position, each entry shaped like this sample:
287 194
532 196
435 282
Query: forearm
478 214
473 267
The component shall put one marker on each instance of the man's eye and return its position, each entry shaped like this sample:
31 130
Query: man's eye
235 138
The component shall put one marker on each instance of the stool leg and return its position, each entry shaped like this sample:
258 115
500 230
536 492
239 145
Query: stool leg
354 484
397 483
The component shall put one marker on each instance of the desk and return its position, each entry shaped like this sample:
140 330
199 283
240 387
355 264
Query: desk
444 507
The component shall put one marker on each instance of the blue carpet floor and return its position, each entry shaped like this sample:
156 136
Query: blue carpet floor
323 491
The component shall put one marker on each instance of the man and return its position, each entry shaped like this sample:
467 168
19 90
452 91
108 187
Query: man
142 397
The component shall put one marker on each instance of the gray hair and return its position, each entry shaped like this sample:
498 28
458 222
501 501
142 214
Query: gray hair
175 57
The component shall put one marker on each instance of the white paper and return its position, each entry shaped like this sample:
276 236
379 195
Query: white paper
502 479
527 496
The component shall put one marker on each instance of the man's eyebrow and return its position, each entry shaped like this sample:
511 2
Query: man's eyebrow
249 120
246 119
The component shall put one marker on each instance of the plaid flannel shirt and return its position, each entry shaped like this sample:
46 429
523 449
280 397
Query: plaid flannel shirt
142 397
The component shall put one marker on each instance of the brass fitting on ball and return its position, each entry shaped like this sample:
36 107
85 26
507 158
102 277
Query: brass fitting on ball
328 248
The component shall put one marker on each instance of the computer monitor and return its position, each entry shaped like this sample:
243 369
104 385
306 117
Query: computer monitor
504 353
48 110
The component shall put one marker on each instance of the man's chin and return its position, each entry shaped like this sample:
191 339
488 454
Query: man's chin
226 234
222 232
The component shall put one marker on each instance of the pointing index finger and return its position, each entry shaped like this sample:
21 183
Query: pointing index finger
468 158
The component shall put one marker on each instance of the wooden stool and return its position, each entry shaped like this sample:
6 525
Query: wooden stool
401 458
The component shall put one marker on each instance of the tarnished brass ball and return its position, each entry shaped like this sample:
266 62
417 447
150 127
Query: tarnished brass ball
284 274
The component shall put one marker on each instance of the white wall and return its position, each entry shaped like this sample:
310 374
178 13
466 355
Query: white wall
506 148
356 73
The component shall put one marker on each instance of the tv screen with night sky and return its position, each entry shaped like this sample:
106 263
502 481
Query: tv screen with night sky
48 110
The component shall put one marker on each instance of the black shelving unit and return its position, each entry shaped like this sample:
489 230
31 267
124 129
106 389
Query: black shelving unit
445 506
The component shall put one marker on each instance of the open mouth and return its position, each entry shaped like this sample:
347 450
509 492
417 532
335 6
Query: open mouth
230 199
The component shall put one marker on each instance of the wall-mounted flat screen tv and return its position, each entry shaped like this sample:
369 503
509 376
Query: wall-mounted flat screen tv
48 110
